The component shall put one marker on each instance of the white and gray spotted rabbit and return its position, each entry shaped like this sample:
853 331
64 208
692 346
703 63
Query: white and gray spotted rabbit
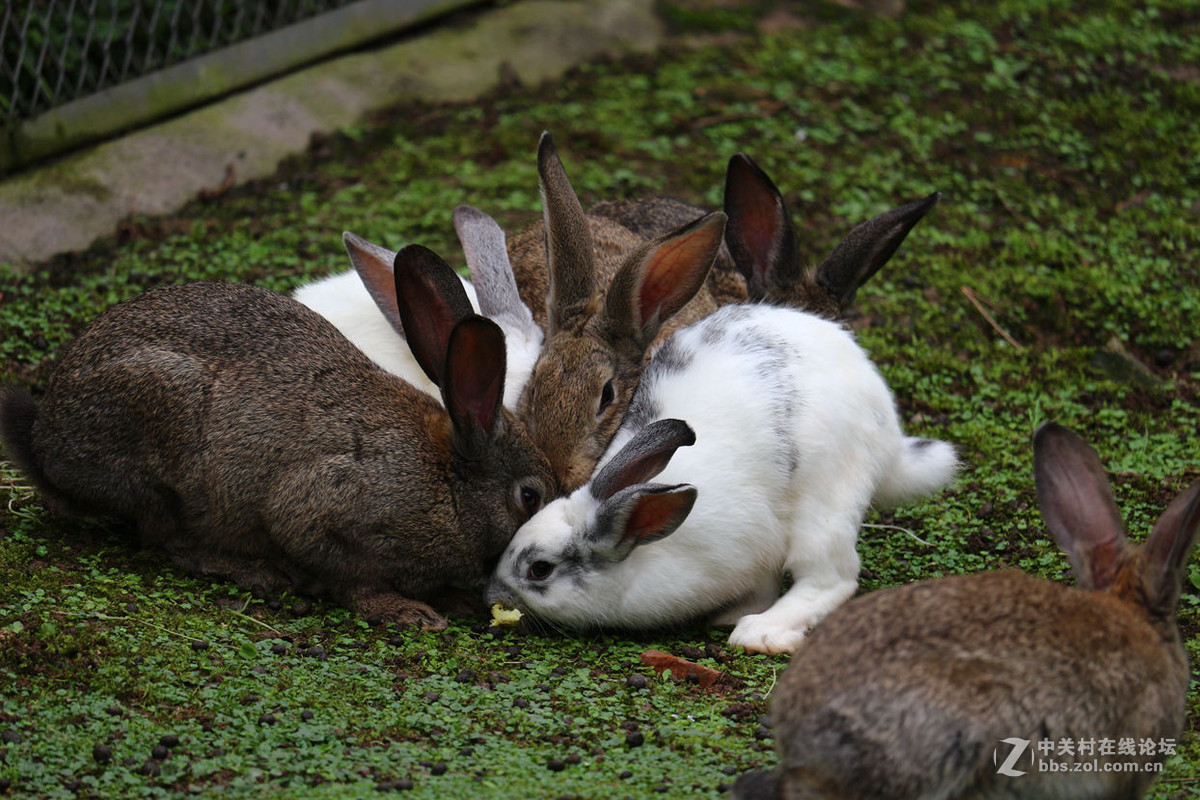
926 690
796 435
361 303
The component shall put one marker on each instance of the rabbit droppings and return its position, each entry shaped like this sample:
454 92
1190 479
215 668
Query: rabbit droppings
925 690
248 438
796 434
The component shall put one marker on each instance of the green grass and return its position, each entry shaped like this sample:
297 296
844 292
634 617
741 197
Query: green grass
1062 135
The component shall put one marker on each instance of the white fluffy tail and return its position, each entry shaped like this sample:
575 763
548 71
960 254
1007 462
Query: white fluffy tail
920 468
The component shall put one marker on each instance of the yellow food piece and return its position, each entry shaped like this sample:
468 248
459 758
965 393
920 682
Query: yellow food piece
504 616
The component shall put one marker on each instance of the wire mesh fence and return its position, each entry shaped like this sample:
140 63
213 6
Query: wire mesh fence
56 51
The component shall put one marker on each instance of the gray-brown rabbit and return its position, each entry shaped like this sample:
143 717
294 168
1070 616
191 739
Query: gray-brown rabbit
240 432
759 259
605 297
967 687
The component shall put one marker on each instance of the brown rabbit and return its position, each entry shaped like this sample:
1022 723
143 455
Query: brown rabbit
759 260
950 688
605 296
248 438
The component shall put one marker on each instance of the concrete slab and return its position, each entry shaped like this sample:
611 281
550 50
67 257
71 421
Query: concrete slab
70 203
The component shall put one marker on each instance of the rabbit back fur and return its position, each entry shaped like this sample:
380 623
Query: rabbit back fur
950 700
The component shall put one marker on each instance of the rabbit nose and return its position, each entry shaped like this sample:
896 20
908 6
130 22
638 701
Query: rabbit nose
497 592
574 473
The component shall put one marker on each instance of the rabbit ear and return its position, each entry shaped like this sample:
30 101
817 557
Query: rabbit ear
1077 504
474 383
484 245
430 300
1167 549
640 514
659 279
374 266
867 248
570 262
643 457
761 237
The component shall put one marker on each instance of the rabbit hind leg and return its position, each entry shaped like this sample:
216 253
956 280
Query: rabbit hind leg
823 562
756 601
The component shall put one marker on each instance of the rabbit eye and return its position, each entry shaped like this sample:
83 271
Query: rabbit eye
539 570
531 499
607 395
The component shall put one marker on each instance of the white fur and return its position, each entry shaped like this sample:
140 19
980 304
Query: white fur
767 389
343 299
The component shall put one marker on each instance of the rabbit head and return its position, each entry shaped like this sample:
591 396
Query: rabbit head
1078 507
762 241
464 354
598 337
556 559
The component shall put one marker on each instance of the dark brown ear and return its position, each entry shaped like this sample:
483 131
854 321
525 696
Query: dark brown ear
374 267
430 299
643 457
571 263
1168 548
474 383
760 235
867 248
1077 504
662 276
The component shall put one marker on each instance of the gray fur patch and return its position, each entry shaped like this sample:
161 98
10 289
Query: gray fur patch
719 325
773 360
670 359
528 555
573 564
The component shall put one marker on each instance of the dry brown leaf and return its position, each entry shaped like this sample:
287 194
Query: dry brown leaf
681 669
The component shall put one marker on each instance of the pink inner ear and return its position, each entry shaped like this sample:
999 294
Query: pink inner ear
755 213
482 413
654 512
669 279
377 276
760 232
477 362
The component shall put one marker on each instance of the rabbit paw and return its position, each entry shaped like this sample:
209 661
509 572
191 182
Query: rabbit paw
398 609
759 635
461 603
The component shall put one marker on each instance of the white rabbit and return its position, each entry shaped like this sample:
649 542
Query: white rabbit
796 435
361 303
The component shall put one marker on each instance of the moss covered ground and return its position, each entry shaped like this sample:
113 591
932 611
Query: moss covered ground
1059 278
